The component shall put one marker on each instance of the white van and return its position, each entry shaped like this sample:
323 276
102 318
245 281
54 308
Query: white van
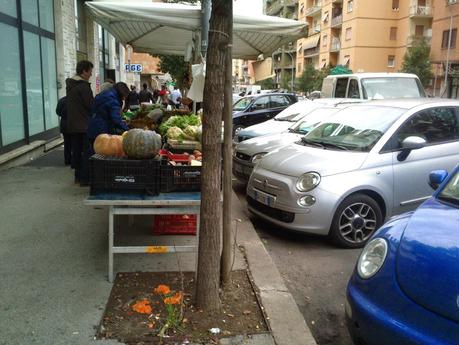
372 86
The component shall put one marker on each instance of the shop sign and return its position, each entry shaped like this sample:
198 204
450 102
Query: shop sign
133 67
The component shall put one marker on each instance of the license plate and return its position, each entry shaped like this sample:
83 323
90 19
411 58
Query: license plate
264 198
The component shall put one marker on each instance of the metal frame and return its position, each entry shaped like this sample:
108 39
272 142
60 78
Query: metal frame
154 206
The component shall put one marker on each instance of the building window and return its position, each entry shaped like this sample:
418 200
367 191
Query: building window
325 17
302 8
347 60
324 40
80 31
323 63
445 39
393 33
391 61
348 34
350 6
395 5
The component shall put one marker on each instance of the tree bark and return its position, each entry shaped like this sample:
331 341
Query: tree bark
208 275
226 261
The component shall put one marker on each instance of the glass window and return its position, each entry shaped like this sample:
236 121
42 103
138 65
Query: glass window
391 61
393 33
8 7
348 34
395 4
435 125
353 91
350 5
49 82
341 86
242 103
352 129
279 101
261 103
46 15
30 11
33 83
11 112
381 88
451 191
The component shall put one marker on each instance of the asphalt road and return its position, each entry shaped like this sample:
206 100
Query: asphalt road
316 274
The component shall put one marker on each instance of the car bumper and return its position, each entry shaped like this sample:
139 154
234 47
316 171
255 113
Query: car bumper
372 324
285 210
242 169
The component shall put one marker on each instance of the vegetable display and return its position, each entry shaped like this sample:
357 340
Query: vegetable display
140 144
180 121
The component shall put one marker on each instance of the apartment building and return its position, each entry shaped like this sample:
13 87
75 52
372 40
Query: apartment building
364 35
284 66
444 48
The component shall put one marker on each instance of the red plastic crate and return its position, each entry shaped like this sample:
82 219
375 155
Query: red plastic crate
177 157
183 224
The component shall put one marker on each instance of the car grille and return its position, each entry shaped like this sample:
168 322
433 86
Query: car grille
283 216
242 156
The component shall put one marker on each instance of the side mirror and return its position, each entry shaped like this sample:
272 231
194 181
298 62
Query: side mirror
409 144
436 178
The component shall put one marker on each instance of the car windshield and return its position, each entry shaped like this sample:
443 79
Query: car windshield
356 128
308 122
391 87
451 191
242 103
291 112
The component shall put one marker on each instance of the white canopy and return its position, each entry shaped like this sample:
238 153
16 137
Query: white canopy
160 28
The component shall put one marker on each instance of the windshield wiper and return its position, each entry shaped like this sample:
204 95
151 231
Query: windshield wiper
340 147
450 199
312 142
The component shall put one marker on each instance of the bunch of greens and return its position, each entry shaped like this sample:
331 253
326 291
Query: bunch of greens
180 121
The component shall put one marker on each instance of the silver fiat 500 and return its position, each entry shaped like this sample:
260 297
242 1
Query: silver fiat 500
357 168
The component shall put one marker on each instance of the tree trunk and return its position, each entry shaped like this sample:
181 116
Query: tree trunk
208 275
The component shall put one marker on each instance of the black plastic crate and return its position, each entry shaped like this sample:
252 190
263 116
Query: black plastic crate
112 174
179 178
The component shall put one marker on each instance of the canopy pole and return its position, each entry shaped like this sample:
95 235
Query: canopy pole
226 261
206 7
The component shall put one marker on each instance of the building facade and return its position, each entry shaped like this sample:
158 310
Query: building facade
364 35
45 40
444 49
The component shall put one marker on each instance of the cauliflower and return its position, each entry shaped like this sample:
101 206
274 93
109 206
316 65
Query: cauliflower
191 132
175 133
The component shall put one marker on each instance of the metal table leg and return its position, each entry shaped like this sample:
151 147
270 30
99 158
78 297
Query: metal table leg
110 243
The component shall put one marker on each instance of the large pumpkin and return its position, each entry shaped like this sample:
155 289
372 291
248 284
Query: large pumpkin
109 145
139 143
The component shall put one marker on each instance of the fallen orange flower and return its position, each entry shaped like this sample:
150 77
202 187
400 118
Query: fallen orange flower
142 307
176 299
162 289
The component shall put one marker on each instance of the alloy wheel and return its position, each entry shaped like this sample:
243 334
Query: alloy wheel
357 222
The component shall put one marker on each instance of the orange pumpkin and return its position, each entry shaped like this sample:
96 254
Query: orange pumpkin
109 145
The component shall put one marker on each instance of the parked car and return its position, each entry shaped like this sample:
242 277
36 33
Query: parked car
251 110
286 118
360 166
372 86
247 153
404 290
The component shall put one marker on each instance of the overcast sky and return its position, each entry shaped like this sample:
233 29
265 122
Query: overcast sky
249 7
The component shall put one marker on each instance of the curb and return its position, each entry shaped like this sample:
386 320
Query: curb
285 320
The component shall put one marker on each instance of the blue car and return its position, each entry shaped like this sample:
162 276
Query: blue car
405 288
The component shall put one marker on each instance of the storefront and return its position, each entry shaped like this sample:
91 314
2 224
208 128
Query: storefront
28 85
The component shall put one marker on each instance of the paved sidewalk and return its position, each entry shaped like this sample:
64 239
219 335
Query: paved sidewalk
53 262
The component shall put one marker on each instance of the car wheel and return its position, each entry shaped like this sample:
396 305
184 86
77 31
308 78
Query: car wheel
355 220
237 129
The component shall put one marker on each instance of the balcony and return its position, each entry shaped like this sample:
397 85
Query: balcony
313 10
410 40
420 11
337 21
335 45
311 52
314 30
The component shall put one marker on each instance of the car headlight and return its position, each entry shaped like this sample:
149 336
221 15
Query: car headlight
256 157
372 258
308 181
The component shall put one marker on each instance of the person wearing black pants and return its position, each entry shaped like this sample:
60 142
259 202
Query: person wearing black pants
79 102
61 111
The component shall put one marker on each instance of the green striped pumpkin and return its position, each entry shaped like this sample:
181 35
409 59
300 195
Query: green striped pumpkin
141 144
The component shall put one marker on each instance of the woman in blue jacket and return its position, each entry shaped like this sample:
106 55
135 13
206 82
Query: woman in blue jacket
106 113
105 118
